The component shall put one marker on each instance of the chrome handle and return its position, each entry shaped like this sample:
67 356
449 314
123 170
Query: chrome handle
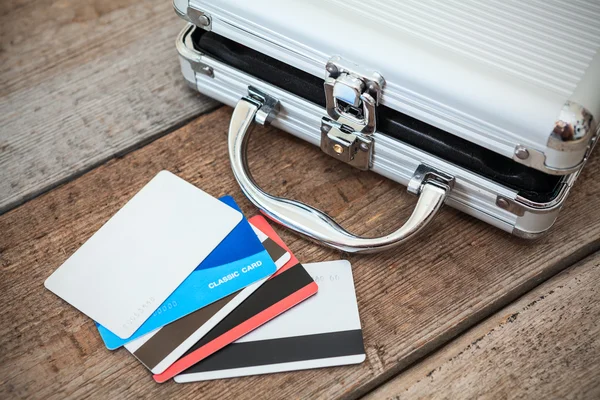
431 186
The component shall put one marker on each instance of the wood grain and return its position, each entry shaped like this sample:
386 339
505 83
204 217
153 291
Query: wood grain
412 299
82 81
546 345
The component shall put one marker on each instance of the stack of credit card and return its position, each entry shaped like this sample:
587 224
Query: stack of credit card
197 292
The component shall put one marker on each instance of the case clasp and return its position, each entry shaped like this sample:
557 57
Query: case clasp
352 95
342 142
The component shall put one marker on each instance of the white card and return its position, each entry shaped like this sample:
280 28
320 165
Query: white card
139 257
333 308
322 331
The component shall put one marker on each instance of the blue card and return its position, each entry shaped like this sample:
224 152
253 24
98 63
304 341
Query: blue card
239 260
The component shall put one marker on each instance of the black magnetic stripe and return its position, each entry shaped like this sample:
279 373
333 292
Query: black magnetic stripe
275 251
283 350
171 336
269 293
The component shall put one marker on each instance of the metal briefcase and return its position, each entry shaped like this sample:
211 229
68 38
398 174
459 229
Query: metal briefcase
485 106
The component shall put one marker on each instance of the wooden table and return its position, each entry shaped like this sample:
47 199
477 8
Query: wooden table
93 105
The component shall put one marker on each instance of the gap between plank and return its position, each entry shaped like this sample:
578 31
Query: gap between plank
477 317
119 154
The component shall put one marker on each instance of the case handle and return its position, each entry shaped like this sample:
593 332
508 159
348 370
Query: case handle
431 186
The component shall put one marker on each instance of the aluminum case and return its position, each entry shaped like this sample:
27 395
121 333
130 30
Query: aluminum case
472 194
513 77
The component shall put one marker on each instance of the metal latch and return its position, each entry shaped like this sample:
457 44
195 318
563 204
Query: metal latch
345 144
352 95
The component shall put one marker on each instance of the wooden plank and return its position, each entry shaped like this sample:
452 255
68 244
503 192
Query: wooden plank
545 345
83 81
412 299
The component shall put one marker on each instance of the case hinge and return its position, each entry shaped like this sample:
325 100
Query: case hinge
199 18
352 95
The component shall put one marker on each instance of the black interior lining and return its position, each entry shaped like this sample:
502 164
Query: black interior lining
530 183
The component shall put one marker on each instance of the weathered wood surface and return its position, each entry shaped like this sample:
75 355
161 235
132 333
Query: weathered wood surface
546 345
81 81
412 299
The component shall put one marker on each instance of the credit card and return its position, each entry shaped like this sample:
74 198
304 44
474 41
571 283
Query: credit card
143 253
161 348
239 260
281 292
322 331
